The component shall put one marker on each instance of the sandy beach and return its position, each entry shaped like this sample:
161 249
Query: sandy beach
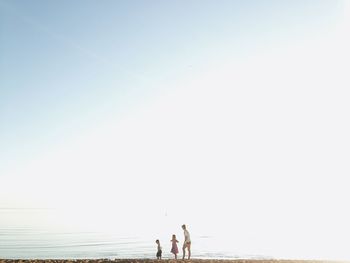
164 261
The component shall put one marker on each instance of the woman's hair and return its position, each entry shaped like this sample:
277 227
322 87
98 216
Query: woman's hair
157 241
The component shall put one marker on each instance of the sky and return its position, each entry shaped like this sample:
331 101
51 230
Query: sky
231 116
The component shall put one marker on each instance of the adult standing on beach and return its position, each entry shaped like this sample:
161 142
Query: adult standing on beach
187 243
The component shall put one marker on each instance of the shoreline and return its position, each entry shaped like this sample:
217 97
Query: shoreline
195 260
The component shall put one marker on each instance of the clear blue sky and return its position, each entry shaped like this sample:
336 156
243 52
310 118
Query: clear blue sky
246 100
66 64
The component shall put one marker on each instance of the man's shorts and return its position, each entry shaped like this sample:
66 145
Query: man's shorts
187 244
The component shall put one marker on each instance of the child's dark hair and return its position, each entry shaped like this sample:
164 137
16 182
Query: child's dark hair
157 240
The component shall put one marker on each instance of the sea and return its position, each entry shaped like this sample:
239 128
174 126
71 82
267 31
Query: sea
26 234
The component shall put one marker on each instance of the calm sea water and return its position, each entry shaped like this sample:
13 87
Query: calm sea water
24 233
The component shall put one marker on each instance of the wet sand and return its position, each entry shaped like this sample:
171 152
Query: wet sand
166 261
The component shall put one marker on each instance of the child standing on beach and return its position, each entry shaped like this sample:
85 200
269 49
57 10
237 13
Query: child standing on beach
174 248
159 250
